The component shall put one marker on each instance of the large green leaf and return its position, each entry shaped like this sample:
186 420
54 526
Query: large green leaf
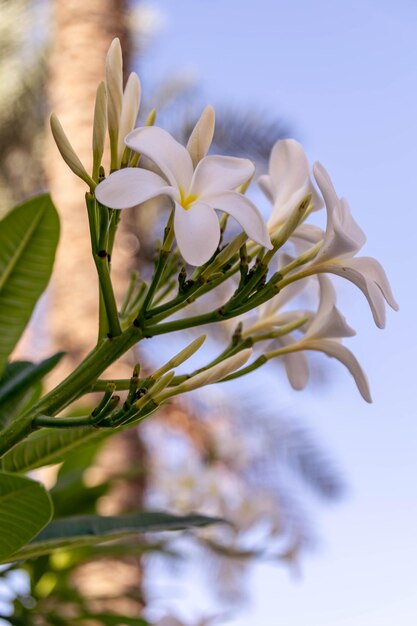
74 532
47 446
25 508
19 385
28 240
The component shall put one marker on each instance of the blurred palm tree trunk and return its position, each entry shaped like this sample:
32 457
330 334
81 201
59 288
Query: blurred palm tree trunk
81 34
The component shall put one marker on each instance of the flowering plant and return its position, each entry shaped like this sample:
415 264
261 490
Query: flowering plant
265 266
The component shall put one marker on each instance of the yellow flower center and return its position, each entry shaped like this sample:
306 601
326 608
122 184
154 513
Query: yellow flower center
186 201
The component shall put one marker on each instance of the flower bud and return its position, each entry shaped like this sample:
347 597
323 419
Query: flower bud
150 120
154 390
209 376
68 152
114 84
182 356
281 234
130 110
225 255
99 127
202 135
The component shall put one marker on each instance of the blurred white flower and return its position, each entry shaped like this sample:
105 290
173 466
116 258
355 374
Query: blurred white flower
323 333
288 180
342 240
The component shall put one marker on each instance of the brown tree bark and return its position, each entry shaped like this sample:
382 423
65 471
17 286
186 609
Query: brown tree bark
82 32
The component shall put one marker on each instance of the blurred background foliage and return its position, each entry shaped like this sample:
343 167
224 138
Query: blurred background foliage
253 465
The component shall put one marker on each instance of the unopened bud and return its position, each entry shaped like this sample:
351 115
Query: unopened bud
130 110
156 388
150 120
202 135
209 376
225 255
284 231
114 84
182 356
68 152
244 187
99 128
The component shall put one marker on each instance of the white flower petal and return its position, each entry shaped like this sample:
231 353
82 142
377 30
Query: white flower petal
296 364
305 237
288 293
130 110
328 322
202 135
375 273
308 233
367 274
170 156
343 235
197 232
244 212
288 168
265 184
215 174
325 185
131 186
298 372
316 198
335 349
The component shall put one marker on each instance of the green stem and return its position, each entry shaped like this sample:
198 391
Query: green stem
101 261
196 291
74 386
121 384
61 422
163 256
129 293
159 270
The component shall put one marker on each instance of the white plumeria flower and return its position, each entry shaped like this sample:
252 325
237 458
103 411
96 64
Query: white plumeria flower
288 180
342 240
196 193
323 334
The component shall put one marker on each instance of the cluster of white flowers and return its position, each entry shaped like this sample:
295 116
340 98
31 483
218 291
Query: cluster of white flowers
196 185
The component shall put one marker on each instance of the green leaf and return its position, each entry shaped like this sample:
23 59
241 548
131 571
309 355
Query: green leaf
17 382
47 446
74 532
25 508
28 240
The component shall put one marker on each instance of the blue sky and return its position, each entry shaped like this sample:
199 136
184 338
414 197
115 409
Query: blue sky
344 74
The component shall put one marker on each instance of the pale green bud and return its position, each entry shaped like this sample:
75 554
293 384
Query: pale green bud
244 187
209 376
281 234
159 386
150 120
225 255
68 152
202 135
182 356
99 127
